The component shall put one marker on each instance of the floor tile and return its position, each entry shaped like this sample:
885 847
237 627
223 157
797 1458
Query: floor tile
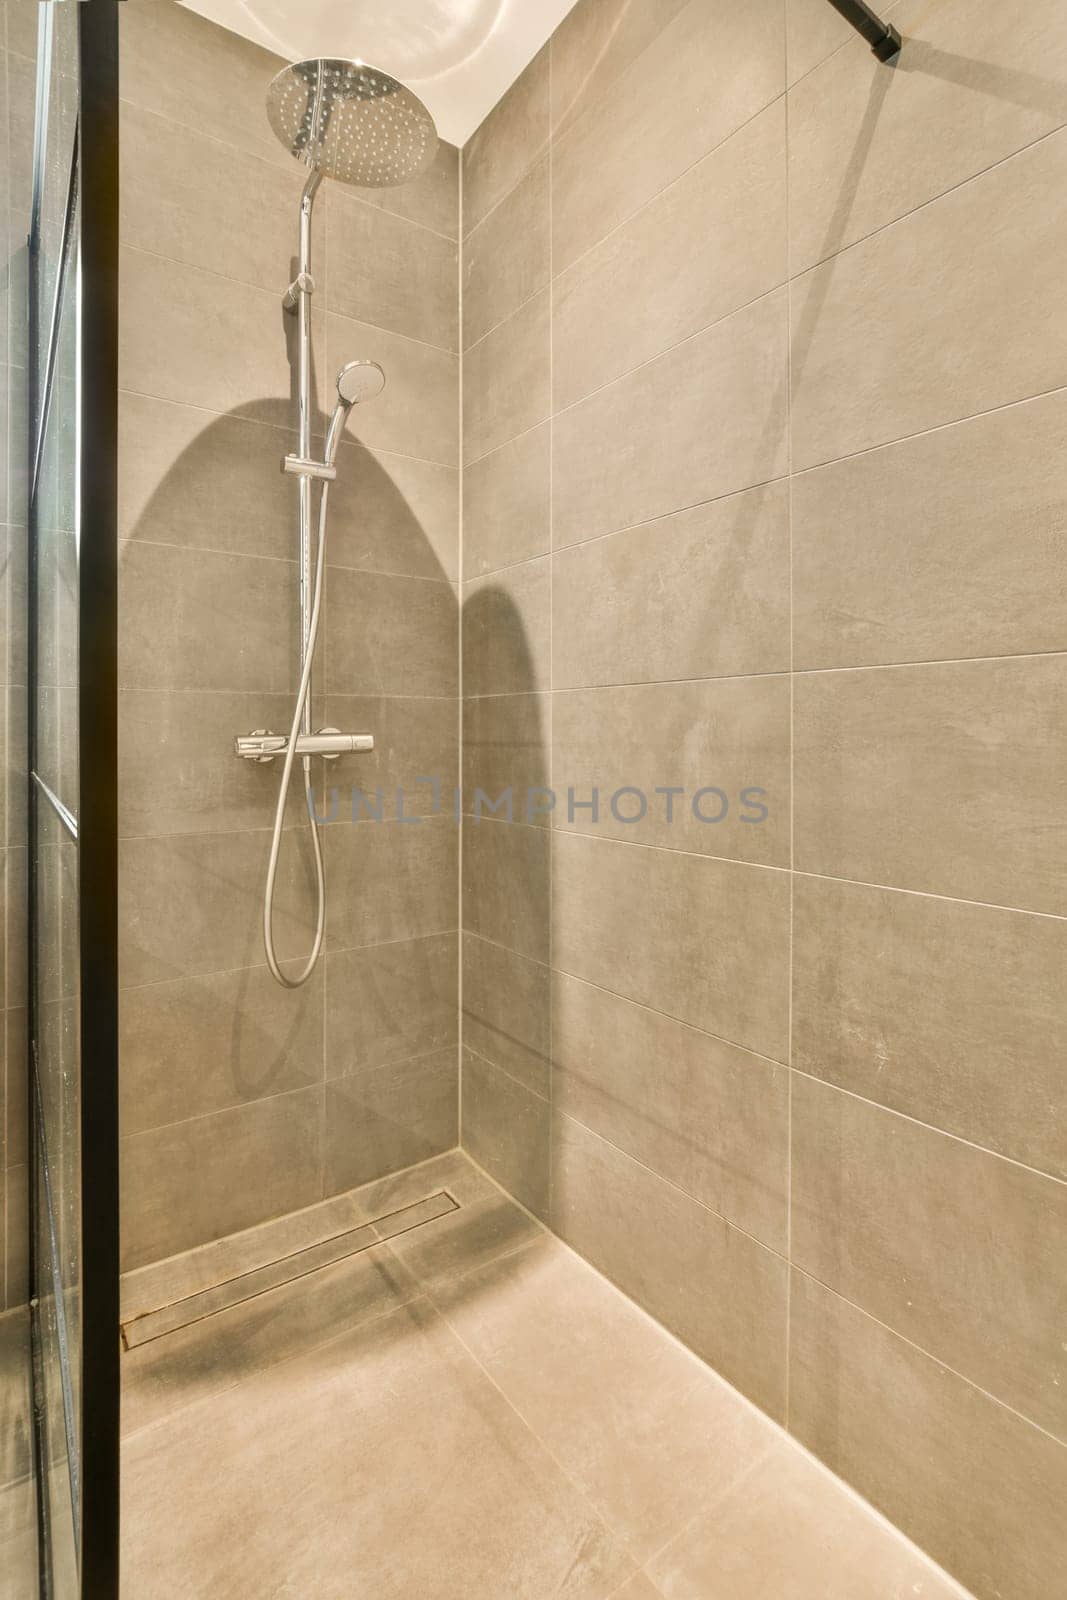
332 1496
648 1436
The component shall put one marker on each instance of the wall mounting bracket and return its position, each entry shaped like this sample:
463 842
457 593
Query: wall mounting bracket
882 37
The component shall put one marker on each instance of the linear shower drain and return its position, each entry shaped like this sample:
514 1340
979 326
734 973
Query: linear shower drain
286 1269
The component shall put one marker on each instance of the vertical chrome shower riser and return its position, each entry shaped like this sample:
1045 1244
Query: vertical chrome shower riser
305 290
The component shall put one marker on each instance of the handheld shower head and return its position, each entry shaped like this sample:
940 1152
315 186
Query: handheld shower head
351 122
358 381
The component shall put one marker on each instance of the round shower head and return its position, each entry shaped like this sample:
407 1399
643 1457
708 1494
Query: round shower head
351 122
359 381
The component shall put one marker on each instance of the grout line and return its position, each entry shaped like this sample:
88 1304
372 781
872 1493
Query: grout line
276 295
330 694
763 1057
933 200
783 1435
261 967
550 719
792 752
461 843
502 322
961 1377
930 1127
582 1499
844 44
349 442
924 433
641 1005
316 1086
671 349
929 894
494 1066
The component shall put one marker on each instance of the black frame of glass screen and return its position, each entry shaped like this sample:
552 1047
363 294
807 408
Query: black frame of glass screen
94 179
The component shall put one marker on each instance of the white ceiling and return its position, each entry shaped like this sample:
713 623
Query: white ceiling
459 56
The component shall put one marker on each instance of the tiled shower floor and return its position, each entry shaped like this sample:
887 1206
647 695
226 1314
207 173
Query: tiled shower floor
468 1412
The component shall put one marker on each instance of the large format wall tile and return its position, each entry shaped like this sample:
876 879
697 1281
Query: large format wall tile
204 77
177 769
723 1294
938 547
390 880
393 1117
432 198
506 747
506 259
596 42
704 420
901 1220
952 1013
973 84
987 255
506 504
506 380
188 335
507 621
201 1044
973 1484
388 271
656 120
700 594
506 887
417 413
199 1180
390 635
705 1115
414 763
814 31
709 244
508 143
192 478
194 903
394 513
390 1002
506 1001
949 779
189 198
507 1130
196 619
723 746
706 941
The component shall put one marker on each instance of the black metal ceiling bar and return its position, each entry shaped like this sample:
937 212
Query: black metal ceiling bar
882 37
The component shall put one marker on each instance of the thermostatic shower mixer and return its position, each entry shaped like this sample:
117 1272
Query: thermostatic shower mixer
328 743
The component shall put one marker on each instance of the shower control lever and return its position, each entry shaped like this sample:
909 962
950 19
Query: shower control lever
329 742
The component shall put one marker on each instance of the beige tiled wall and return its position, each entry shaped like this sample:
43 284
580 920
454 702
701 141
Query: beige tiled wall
765 357
241 1100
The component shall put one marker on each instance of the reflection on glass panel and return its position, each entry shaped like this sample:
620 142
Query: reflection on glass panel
60 113
57 566
59 1206
55 758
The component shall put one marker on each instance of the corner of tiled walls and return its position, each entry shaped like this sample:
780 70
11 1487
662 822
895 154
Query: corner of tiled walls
241 1101
765 362
17 86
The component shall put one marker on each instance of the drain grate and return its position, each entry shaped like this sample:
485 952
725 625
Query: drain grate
286 1269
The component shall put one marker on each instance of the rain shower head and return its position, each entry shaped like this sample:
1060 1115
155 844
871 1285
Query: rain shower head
359 381
351 122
